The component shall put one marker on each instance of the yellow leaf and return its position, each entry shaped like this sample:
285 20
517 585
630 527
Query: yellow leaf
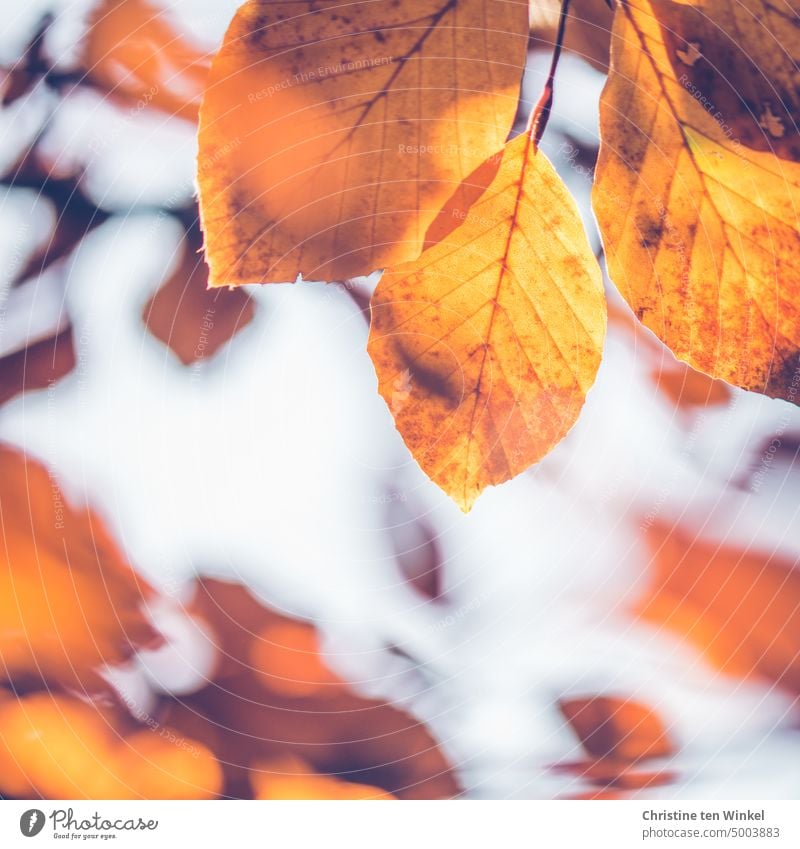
331 135
698 184
495 332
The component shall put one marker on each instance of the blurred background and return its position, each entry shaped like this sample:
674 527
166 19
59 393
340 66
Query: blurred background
223 575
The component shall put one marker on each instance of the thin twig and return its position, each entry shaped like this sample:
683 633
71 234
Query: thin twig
541 112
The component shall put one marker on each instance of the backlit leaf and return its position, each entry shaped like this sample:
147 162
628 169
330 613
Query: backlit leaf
495 333
698 183
330 135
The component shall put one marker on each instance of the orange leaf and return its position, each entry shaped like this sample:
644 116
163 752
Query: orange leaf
186 316
287 656
330 136
54 746
162 764
621 729
69 603
688 388
61 748
698 180
132 50
740 607
292 778
486 345
248 721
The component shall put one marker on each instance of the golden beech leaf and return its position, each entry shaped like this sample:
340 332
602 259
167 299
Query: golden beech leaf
330 135
697 191
486 345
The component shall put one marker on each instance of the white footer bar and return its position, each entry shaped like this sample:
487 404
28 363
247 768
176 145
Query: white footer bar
404 825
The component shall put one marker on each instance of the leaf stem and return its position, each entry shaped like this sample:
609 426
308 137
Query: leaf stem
537 123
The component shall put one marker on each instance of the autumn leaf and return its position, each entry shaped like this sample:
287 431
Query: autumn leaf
689 389
612 727
59 747
38 365
739 606
262 708
69 602
132 51
621 738
500 327
418 553
186 316
698 181
287 656
684 388
330 137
